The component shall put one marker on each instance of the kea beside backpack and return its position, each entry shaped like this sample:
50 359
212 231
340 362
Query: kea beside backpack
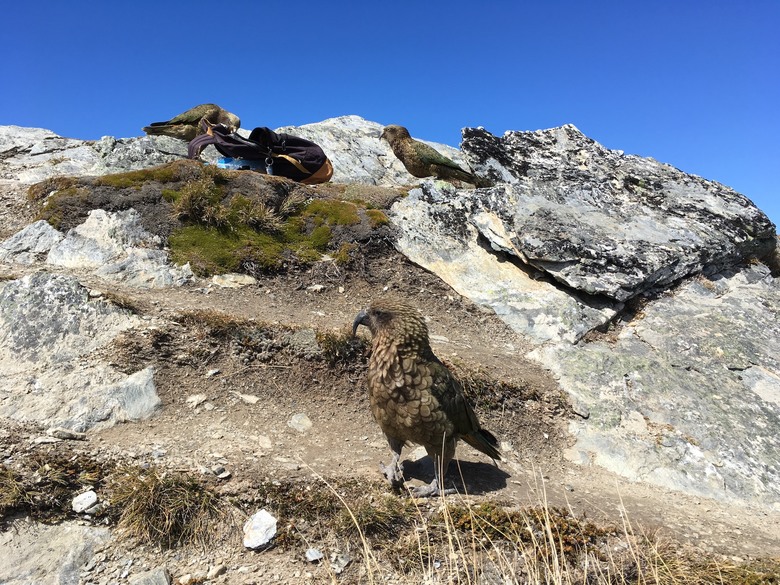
278 153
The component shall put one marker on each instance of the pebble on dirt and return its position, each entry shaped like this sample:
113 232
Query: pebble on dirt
84 501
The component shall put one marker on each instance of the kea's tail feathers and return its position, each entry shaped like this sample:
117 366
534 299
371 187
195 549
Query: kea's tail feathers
484 441
156 128
471 178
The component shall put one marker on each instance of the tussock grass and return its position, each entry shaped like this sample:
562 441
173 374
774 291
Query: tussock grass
454 540
391 538
215 323
199 201
122 301
14 493
166 509
255 214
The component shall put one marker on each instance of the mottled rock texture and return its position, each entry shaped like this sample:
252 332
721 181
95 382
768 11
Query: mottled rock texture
607 223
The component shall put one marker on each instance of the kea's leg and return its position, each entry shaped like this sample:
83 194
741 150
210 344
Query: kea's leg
394 472
441 462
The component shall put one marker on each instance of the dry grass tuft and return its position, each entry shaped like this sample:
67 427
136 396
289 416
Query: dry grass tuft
166 509
45 483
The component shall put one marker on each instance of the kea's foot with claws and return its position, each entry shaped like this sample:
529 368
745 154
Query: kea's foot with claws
393 472
432 490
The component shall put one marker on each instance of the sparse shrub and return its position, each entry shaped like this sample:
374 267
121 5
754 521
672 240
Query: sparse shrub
255 214
384 517
197 201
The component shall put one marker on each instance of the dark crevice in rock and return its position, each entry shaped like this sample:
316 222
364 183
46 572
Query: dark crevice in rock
597 302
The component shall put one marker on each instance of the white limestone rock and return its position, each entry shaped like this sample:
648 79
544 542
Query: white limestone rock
104 237
48 554
31 244
259 529
84 501
49 327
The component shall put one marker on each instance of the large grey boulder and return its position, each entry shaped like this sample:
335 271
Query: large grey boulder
31 244
687 396
439 229
49 327
102 238
603 222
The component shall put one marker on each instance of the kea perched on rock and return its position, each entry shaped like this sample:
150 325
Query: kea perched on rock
423 161
414 397
187 126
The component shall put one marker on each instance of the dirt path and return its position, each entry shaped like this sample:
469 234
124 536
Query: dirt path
254 440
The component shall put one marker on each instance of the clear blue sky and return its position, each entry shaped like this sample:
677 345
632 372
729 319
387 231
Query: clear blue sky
692 83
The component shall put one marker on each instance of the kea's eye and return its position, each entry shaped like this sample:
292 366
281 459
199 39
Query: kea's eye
381 316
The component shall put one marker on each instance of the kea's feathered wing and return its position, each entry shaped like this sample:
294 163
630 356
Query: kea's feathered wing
187 125
414 397
422 160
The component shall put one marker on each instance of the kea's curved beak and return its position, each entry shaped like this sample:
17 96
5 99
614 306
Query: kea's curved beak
360 319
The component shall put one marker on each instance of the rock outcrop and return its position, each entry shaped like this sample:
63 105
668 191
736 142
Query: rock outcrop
685 393
30 155
603 222
357 153
109 244
48 555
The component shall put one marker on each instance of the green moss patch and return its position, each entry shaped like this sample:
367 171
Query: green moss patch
332 212
135 179
211 250
230 235
377 217
226 221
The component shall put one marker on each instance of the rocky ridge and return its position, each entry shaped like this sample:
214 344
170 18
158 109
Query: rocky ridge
641 288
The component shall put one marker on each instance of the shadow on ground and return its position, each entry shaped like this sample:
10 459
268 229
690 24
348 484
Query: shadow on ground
476 478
